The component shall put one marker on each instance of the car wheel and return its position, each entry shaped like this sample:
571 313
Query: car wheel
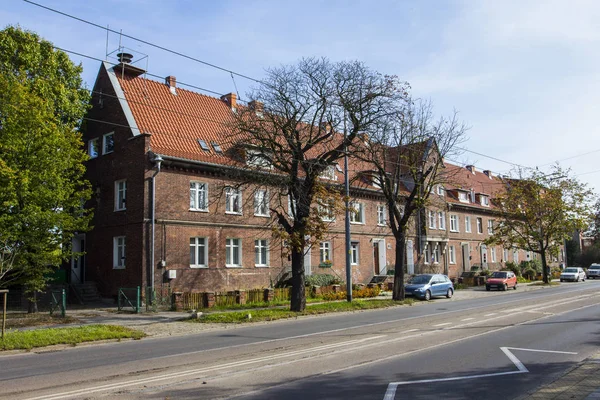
577 280
427 295
515 287
487 288
449 293
561 280
505 287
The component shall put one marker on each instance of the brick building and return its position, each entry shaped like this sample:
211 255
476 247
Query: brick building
196 231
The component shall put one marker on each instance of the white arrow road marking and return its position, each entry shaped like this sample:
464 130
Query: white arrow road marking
390 393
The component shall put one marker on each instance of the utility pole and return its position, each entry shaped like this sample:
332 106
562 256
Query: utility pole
347 198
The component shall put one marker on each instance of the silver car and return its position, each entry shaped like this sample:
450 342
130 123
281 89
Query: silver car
594 271
572 274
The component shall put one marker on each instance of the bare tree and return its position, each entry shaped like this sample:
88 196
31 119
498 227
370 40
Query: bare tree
407 152
295 129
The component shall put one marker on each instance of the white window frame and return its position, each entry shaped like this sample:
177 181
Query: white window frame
479 225
257 159
326 211
121 195
261 203
485 201
196 246
354 253
505 254
329 173
451 255
357 213
432 220
196 187
490 227
325 252
436 255
516 256
467 224
454 223
493 254
93 148
381 215
119 252
442 220
230 245
231 194
260 246
440 190
104 143
463 197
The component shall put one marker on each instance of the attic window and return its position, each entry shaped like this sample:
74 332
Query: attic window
203 144
217 148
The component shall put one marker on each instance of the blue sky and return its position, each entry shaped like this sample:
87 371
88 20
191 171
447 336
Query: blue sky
523 74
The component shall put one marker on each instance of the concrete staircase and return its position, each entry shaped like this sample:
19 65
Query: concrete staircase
87 292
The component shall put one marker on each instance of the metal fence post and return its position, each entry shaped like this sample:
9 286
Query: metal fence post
137 306
64 303
5 292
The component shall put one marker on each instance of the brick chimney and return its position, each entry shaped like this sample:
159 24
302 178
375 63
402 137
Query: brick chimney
230 99
255 105
171 82
471 168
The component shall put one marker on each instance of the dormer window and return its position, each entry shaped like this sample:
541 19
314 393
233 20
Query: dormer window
255 158
463 197
485 201
440 190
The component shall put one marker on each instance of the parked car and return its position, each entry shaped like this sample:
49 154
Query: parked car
573 274
501 280
594 271
427 286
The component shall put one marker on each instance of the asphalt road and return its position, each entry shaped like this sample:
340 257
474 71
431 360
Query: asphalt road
458 349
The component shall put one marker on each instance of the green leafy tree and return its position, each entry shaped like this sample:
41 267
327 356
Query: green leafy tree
539 211
42 189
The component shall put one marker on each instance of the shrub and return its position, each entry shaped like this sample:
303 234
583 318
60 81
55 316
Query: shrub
484 272
530 273
536 265
520 279
511 266
460 286
357 294
391 271
321 280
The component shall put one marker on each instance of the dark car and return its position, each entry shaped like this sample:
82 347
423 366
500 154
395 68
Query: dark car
427 286
501 280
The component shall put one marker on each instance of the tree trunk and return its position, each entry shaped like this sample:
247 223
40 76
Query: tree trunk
33 306
544 270
298 301
398 293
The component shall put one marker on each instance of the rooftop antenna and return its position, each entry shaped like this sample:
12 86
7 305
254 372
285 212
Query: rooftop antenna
106 52
235 86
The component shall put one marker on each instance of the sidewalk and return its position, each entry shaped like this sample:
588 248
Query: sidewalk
582 382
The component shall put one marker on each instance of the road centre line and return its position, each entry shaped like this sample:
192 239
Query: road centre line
467 319
489 315
347 344
443 324
355 327
410 330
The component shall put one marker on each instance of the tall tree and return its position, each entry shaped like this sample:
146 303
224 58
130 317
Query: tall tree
296 127
41 157
406 153
539 211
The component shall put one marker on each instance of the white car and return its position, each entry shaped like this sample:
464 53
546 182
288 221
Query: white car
572 274
594 271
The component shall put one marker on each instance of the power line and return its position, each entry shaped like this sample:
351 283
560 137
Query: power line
144 41
569 158
493 158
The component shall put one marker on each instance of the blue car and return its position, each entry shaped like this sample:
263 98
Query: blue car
430 285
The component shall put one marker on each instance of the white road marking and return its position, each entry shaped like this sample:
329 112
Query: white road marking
467 319
410 330
390 393
444 324
489 315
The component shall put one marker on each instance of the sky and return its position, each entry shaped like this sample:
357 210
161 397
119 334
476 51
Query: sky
522 74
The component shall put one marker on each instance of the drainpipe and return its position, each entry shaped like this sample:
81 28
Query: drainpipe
157 160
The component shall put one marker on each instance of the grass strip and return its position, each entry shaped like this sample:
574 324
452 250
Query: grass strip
544 284
238 317
29 339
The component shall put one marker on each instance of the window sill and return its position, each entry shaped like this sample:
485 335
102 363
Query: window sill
262 215
233 213
261 266
357 223
120 267
385 224
199 266
120 209
198 210
454 231
232 266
